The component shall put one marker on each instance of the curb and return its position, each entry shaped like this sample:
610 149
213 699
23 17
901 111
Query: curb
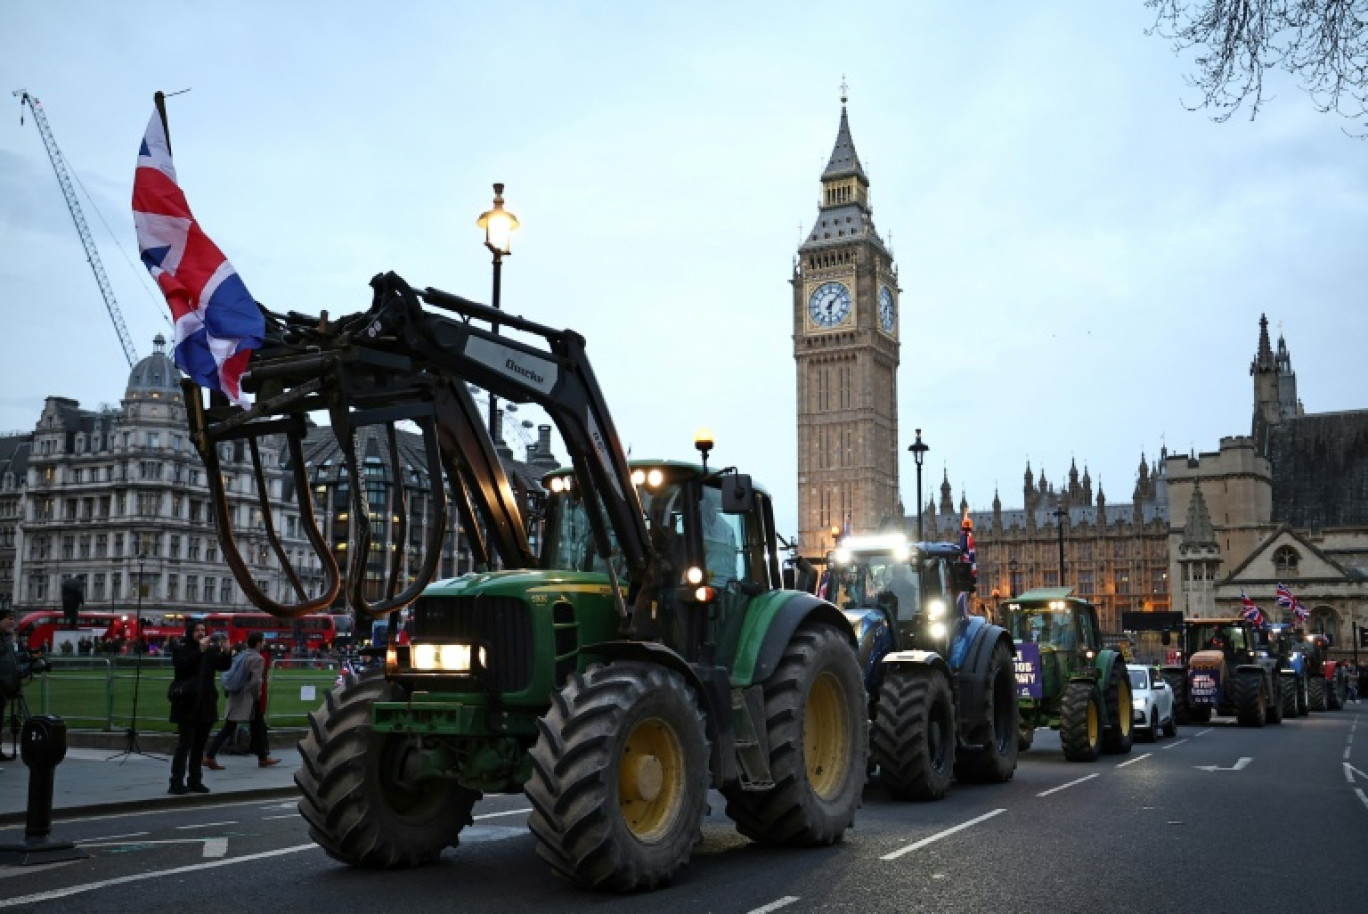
168 801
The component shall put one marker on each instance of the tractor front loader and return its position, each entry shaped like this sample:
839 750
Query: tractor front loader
644 652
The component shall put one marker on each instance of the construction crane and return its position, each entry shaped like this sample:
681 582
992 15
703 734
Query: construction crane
74 206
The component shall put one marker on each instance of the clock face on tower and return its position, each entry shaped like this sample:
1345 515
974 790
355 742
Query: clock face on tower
886 309
830 304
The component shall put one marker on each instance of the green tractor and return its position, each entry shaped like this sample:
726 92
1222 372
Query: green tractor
1066 679
644 652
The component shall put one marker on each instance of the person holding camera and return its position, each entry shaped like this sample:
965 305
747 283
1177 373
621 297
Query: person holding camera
194 703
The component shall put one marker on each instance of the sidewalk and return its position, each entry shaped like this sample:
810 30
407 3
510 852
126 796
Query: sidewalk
98 777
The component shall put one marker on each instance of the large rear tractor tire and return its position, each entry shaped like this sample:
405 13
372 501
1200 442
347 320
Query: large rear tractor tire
1117 738
1287 686
912 738
359 799
1275 704
1080 722
1177 683
619 777
1315 689
999 731
1303 696
1251 699
817 722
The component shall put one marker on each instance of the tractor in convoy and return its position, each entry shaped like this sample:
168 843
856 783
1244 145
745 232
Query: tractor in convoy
1288 646
1066 678
1327 680
1226 670
643 653
941 683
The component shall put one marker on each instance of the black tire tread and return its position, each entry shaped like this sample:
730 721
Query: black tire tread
912 705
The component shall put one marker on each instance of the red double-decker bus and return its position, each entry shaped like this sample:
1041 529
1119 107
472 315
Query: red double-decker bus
37 629
307 633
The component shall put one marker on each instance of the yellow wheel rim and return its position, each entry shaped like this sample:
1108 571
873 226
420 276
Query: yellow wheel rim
826 736
1094 728
651 779
1123 707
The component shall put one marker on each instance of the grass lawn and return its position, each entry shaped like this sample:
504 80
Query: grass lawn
98 693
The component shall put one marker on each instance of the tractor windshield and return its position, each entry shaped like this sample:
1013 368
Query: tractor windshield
1215 636
569 542
879 580
1044 626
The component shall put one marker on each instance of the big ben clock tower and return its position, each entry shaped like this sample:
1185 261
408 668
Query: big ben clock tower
845 343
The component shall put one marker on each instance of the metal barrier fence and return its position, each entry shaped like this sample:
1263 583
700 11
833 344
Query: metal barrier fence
98 693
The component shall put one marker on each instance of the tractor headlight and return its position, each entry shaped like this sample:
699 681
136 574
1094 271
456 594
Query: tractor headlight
935 609
452 658
694 575
938 630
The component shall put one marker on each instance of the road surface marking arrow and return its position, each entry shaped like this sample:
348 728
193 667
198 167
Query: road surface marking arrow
1350 771
1242 763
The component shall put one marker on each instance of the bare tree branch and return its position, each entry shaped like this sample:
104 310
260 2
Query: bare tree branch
1322 43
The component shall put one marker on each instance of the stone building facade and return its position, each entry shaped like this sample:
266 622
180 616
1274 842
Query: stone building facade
116 495
1287 503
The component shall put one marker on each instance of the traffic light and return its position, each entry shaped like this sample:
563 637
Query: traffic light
1363 635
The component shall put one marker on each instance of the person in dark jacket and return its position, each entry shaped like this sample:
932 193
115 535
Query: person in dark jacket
197 659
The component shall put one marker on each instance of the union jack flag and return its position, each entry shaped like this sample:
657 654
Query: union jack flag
218 324
1287 601
1250 610
342 674
824 587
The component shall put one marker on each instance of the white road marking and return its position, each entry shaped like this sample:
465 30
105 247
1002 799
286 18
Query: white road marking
1205 732
1350 771
68 891
774 905
1346 753
1239 765
132 834
1046 793
292 815
216 847
1138 758
206 825
1362 798
495 815
1171 745
945 834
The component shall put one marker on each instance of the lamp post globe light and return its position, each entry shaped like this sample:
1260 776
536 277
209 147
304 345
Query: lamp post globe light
919 449
499 225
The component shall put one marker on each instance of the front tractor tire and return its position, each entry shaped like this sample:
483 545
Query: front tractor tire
1117 739
817 721
360 803
1080 722
999 734
1315 689
912 738
619 777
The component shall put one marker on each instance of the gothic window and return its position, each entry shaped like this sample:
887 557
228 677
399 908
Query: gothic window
1285 561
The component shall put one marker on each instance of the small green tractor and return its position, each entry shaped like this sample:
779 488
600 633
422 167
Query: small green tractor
1066 679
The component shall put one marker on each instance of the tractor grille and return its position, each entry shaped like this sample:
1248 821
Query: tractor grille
503 625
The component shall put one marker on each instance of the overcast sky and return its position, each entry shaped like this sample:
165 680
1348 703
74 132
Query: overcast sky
1083 260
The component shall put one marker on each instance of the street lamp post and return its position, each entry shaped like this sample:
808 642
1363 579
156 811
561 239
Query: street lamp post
498 224
919 449
1060 514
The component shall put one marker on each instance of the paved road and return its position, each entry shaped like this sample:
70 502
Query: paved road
1182 824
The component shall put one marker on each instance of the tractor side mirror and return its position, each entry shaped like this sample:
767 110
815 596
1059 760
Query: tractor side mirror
738 494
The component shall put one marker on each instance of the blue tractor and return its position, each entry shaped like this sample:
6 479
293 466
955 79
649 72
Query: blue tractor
941 681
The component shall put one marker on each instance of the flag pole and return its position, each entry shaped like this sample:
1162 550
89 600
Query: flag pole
159 99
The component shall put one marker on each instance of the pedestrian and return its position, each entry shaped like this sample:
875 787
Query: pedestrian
194 703
1352 681
11 681
244 705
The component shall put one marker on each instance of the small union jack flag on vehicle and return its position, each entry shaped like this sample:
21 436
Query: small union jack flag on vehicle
1250 610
